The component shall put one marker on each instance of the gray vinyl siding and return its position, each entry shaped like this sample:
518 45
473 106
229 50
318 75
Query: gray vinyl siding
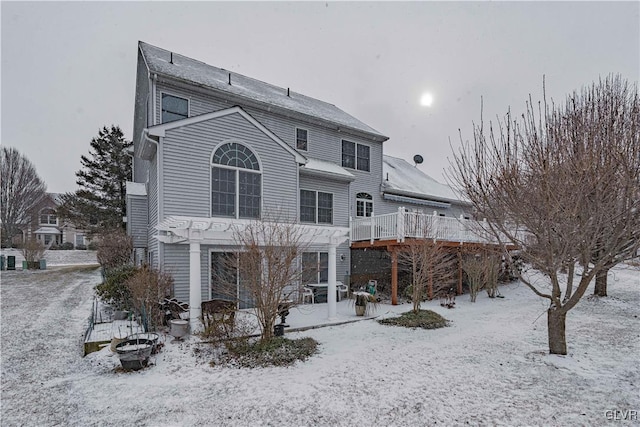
137 220
199 103
152 192
340 191
454 211
186 190
176 262
141 117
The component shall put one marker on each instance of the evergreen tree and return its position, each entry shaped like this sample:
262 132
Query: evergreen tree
100 202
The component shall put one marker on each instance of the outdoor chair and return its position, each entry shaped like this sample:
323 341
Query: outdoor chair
343 290
308 293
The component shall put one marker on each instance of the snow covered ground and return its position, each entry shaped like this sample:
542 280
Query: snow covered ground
490 367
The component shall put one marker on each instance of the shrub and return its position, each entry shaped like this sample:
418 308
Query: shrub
93 246
32 250
147 287
277 351
425 319
114 290
81 247
66 246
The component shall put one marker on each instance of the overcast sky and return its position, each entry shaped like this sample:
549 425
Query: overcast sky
69 68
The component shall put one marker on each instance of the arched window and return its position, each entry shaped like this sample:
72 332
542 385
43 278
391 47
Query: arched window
236 182
364 205
48 217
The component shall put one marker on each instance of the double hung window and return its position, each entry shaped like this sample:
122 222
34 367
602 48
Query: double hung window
316 207
355 156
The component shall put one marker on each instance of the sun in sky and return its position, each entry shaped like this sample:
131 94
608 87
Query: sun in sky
426 99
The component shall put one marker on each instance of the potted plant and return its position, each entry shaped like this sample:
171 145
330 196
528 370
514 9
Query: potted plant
364 303
114 291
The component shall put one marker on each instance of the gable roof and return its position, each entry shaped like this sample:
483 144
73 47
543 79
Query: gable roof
403 179
164 62
159 130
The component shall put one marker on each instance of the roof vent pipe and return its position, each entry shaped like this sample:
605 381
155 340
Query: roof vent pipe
287 91
171 58
229 78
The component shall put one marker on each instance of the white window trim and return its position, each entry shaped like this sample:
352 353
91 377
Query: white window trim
355 155
365 204
162 92
237 195
333 198
296 139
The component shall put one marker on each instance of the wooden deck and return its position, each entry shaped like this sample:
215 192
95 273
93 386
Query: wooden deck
392 231
401 225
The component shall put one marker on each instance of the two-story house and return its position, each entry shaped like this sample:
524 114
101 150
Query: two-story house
214 149
47 228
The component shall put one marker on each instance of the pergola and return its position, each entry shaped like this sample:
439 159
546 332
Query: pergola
196 231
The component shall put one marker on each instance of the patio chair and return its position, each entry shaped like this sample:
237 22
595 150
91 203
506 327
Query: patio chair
308 293
342 290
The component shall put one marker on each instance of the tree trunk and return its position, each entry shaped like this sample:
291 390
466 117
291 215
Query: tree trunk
556 320
601 283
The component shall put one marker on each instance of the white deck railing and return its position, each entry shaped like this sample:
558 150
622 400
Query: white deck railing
400 225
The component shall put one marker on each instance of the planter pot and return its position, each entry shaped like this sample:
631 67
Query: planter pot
134 354
179 328
278 330
360 309
115 341
151 336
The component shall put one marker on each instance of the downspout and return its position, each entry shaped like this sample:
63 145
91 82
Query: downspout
153 98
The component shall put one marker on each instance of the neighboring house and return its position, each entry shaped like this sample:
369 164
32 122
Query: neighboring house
214 149
46 227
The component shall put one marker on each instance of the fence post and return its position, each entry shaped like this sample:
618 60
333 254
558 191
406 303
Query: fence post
400 225
372 227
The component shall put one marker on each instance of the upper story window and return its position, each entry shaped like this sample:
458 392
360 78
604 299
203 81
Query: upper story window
236 182
48 217
316 207
174 108
301 139
364 205
355 156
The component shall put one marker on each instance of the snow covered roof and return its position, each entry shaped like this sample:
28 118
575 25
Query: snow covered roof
403 179
180 67
324 168
48 230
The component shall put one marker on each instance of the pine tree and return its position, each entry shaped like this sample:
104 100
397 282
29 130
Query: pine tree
100 202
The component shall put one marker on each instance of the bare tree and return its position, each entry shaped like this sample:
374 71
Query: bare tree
482 269
474 266
21 189
562 184
266 269
432 268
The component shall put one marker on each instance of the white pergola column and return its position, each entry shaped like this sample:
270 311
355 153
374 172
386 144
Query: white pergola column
331 286
195 287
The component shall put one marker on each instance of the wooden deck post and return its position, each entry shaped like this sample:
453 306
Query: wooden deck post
459 271
394 277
